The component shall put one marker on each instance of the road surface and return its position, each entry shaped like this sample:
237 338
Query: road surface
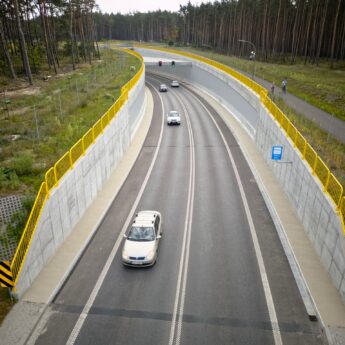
221 276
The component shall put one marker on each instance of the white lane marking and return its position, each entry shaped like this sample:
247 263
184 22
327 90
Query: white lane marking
264 279
190 219
76 330
183 268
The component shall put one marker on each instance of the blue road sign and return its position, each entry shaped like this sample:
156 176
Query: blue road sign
277 153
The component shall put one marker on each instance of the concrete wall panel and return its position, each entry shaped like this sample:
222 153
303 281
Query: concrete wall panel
315 209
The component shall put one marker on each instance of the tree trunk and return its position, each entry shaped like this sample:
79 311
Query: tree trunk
23 50
45 36
71 33
322 29
275 39
334 34
306 38
8 56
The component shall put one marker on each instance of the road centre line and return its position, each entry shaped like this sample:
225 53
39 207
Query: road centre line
262 269
184 261
77 328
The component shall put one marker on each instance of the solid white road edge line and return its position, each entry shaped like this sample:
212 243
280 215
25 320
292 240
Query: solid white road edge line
262 269
76 330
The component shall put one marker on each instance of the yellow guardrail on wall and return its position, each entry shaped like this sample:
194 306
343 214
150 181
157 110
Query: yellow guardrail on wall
329 182
331 185
62 166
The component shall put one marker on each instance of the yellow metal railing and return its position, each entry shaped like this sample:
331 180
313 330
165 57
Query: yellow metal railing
62 166
342 211
29 230
330 184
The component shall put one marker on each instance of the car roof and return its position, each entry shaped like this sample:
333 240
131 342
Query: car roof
145 218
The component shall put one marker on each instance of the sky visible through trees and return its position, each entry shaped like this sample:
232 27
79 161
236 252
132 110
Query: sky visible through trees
41 32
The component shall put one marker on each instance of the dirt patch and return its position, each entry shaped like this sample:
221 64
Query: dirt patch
5 303
20 111
28 91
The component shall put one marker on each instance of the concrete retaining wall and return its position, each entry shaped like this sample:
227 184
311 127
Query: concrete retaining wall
79 187
314 208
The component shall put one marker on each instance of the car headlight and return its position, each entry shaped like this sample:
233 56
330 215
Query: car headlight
124 255
150 255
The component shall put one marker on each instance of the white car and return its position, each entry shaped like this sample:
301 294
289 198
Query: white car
173 118
174 83
141 244
163 88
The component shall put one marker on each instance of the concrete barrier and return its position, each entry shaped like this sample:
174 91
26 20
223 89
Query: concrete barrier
79 187
314 208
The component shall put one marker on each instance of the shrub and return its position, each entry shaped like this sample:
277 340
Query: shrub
16 227
23 164
18 220
8 179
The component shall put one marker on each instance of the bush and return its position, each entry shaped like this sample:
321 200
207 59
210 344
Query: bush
8 179
23 164
18 220
16 227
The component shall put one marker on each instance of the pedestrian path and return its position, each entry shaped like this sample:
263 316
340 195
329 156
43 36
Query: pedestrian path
324 120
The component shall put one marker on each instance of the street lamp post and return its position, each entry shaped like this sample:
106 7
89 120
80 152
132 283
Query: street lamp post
252 54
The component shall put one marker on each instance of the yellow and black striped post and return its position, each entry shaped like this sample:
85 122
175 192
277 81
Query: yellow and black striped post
6 279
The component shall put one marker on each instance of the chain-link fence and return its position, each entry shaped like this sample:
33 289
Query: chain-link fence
9 205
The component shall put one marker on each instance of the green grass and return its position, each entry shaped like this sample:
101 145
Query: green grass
43 122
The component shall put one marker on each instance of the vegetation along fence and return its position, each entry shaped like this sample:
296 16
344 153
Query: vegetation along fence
61 167
331 185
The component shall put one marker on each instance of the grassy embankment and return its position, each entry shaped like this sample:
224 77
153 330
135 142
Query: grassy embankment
319 86
41 123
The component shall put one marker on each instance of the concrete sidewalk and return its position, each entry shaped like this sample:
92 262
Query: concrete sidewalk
25 315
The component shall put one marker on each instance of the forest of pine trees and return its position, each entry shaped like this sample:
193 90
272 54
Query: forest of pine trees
37 32
33 33
279 29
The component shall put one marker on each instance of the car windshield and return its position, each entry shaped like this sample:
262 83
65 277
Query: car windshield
141 234
174 113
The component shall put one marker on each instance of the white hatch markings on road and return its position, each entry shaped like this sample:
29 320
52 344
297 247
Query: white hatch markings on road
176 326
76 330
261 264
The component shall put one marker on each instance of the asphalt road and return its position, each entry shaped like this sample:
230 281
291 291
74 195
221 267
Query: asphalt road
221 276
